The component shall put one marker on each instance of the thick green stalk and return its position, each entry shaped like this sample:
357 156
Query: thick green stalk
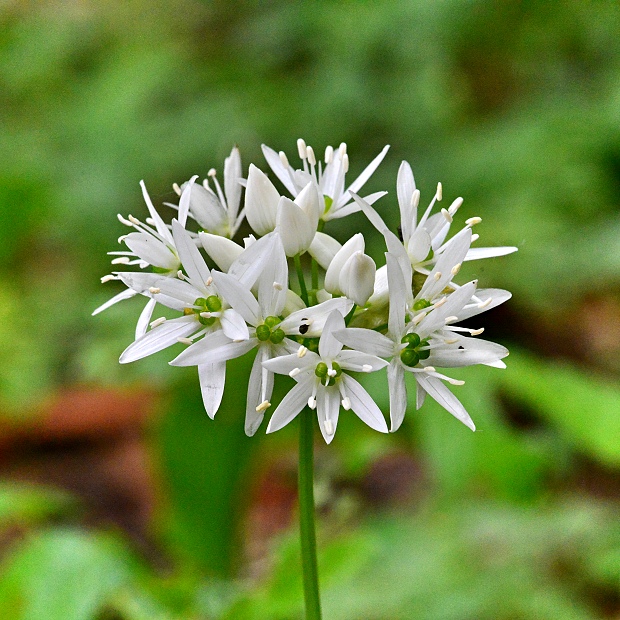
307 532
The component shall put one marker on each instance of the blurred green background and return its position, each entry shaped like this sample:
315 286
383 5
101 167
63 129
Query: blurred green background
121 500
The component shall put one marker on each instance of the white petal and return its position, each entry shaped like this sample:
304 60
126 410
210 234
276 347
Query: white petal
161 337
420 395
454 253
473 351
445 398
212 380
273 282
397 287
126 294
366 340
151 250
291 405
238 296
362 178
496 295
284 364
162 229
419 246
357 278
190 256
145 318
250 263
261 201
405 186
222 251
323 249
436 318
308 201
282 172
332 278
215 347
396 248
329 345
354 360
398 394
173 293
256 389
232 187
184 202
478 253
233 325
373 217
327 410
363 405
317 316
380 293
206 208
294 226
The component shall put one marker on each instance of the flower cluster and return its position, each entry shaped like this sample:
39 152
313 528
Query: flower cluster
344 317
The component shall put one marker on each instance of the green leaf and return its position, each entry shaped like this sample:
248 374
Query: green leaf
21 503
583 407
63 575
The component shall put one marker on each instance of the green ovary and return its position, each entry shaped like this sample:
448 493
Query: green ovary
265 331
412 353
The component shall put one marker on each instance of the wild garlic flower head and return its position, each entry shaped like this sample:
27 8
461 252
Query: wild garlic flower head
307 305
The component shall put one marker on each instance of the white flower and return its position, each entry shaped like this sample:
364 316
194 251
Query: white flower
323 383
329 181
216 211
266 210
151 245
429 339
269 331
351 272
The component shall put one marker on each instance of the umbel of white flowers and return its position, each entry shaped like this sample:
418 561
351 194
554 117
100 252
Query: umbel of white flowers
322 329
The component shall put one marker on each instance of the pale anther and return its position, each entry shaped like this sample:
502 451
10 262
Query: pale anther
184 340
122 238
418 317
455 206
206 315
294 372
133 220
158 322
121 260
329 154
429 369
451 340
264 405
154 290
176 188
415 199
277 286
437 276
486 303
209 281
346 403
312 402
472 221
447 215
475 237
301 351
122 220
451 319
283 158
342 149
439 193
301 148
441 302
107 278
310 155
366 368
331 372
456 269
477 332
329 427
211 172
345 162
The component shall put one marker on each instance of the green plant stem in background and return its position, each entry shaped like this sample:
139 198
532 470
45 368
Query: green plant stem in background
302 283
307 531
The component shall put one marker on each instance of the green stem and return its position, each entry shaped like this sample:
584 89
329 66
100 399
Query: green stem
306 516
302 283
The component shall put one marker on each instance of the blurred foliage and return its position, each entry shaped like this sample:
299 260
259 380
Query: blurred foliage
515 106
